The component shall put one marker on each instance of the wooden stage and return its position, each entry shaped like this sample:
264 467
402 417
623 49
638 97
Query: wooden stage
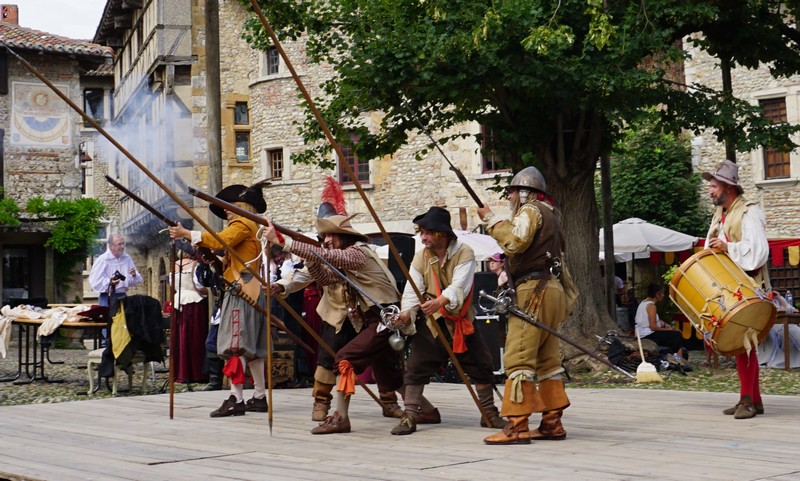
614 434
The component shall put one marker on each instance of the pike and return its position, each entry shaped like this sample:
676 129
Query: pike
349 169
91 121
503 304
251 216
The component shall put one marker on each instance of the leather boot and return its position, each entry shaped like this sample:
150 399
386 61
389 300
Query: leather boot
759 407
515 432
486 398
214 374
390 407
555 400
322 400
550 427
745 409
412 398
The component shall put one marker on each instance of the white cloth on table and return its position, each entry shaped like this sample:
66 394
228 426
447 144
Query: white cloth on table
5 334
771 353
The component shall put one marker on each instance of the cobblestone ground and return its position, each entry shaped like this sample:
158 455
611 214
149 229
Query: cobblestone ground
68 370
72 380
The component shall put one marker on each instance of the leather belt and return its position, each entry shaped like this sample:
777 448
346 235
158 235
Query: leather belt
530 276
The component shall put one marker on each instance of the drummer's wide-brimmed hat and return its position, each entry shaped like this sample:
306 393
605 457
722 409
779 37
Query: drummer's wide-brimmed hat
338 224
240 193
436 219
727 172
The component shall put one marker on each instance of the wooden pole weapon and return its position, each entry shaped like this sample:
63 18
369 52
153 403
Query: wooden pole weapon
337 148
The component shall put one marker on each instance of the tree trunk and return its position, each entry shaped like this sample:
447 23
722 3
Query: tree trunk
569 169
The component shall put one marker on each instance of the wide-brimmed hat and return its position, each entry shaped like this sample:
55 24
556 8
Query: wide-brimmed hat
727 172
338 224
436 219
96 313
240 193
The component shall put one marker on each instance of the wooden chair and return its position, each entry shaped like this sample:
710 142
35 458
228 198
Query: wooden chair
95 358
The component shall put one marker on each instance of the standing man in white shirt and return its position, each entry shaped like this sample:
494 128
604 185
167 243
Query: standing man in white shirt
113 272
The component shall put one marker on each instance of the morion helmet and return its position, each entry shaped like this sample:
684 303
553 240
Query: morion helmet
529 178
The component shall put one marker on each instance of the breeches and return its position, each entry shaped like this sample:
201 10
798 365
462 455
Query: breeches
428 354
527 346
371 348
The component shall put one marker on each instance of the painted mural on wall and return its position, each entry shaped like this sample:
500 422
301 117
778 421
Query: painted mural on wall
39 117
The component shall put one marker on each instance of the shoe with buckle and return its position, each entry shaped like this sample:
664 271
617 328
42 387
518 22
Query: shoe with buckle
333 425
256 405
510 435
229 408
407 425
431 417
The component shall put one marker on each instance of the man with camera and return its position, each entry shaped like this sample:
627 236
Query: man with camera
113 273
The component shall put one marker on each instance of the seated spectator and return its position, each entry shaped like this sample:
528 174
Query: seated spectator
651 327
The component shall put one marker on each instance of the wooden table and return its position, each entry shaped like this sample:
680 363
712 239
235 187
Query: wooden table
35 354
786 319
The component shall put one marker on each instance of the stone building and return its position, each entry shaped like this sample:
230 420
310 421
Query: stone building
44 146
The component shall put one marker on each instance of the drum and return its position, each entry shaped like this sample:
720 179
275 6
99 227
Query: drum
722 302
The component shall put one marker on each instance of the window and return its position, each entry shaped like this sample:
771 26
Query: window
275 163
271 62
360 168
491 161
242 146
776 163
3 73
93 104
240 118
240 114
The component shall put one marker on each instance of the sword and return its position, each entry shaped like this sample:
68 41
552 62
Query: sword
387 312
503 304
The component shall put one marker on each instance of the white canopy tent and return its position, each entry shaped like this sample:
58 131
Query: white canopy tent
637 236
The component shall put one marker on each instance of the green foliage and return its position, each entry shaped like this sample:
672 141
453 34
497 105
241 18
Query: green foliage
652 179
73 235
9 212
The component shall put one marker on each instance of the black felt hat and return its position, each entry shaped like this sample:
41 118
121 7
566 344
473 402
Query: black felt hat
239 193
436 220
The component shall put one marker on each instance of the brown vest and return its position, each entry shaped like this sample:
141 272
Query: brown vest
425 262
549 237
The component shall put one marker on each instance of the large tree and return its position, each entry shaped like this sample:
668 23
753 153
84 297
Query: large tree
555 81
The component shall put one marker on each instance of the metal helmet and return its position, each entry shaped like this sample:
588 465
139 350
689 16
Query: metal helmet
529 178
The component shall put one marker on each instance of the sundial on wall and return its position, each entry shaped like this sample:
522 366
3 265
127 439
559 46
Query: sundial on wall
39 116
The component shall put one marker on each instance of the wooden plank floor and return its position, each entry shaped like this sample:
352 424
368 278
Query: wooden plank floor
615 434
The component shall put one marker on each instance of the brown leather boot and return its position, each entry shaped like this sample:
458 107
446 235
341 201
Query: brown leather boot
333 425
407 425
759 407
550 427
486 398
745 408
322 400
515 432
390 407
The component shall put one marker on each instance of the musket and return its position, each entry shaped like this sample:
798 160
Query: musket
455 169
503 304
277 322
357 184
142 203
251 216
91 121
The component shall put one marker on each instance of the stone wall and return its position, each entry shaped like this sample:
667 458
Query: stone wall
30 170
780 199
